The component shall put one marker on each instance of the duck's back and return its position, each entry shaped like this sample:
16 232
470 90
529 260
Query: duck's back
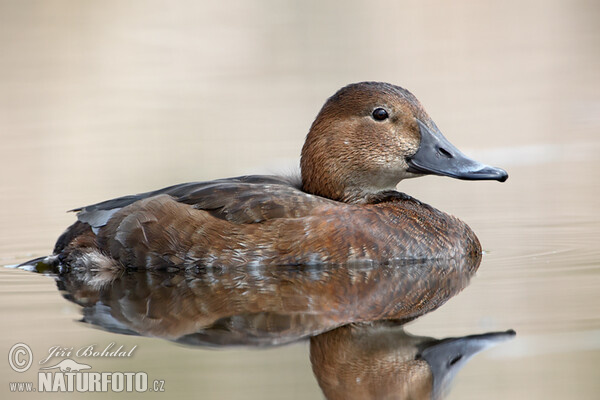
257 219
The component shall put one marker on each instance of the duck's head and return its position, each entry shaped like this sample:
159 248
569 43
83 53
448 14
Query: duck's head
371 135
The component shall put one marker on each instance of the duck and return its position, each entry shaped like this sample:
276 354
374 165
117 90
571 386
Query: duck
345 208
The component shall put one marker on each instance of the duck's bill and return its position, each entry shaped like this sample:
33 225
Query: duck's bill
436 155
445 357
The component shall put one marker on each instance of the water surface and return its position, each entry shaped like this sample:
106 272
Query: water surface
106 99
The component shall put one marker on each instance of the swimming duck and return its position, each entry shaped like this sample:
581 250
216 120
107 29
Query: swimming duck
367 137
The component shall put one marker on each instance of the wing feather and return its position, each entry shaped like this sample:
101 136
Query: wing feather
242 200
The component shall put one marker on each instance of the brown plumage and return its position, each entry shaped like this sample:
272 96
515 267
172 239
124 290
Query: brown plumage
376 361
262 305
353 314
381 361
366 138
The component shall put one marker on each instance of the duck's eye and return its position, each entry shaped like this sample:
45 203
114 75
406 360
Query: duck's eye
379 114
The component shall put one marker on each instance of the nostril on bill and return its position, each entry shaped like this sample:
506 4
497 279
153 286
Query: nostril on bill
445 152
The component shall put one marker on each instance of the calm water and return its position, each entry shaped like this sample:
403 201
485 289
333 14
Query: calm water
100 100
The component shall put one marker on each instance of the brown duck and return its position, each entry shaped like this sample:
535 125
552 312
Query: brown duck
366 138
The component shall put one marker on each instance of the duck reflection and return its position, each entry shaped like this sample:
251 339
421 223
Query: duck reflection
352 313
381 361
261 305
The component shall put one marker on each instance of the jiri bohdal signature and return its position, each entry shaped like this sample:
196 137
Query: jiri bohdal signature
91 350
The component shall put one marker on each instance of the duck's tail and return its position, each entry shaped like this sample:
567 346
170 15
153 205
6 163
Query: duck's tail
47 264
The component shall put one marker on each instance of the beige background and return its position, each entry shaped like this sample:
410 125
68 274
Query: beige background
105 98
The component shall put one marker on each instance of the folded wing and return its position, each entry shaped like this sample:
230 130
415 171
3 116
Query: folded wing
241 200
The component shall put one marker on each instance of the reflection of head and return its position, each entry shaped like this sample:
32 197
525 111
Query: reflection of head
381 361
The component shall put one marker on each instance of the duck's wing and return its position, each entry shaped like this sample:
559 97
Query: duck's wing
242 200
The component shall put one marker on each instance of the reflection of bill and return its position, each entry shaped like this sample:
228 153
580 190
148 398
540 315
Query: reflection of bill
267 306
20 357
380 360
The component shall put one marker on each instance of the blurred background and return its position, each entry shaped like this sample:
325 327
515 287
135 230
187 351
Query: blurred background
106 98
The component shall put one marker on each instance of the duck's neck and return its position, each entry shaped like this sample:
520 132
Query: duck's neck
324 185
323 177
